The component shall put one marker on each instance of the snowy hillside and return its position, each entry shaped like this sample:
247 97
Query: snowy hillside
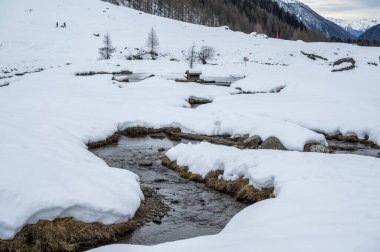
372 33
48 114
313 20
355 27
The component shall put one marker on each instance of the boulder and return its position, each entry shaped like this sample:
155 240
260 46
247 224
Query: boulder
319 148
252 142
272 143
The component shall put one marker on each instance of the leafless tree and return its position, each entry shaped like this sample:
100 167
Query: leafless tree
206 53
245 59
152 43
192 56
107 50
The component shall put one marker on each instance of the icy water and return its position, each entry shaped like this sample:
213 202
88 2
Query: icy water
195 209
223 81
341 147
134 77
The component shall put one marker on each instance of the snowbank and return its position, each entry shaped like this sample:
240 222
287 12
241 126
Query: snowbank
323 202
47 118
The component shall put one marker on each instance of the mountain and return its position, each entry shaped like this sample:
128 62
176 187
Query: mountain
313 20
372 33
355 27
240 15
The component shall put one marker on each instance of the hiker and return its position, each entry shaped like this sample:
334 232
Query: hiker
56 25
64 24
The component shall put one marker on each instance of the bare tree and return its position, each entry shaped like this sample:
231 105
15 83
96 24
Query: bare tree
107 50
206 53
192 56
245 59
152 43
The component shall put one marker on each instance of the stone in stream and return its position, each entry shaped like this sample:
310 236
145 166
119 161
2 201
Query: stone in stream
160 180
157 220
158 136
319 148
252 142
145 163
272 143
148 192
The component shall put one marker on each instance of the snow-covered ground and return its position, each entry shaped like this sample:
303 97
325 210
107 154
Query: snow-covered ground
47 118
323 202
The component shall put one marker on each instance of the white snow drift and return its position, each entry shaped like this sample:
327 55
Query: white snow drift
323 202
47 118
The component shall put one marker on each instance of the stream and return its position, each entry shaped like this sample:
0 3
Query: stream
195 210
342 147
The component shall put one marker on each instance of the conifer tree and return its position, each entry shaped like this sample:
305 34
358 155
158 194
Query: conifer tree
107 50
152 43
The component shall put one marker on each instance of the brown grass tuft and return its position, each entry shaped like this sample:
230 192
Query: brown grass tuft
65 234
240 188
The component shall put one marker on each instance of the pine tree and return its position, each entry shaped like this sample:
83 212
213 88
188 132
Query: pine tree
107 50
152 43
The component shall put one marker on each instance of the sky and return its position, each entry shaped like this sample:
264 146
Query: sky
346 9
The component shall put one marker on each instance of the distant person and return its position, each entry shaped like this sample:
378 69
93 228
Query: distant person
64 24
56 25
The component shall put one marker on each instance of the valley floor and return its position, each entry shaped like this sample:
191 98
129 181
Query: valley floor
48 115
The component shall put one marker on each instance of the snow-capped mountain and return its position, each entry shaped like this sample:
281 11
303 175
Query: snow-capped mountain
313 20
355 27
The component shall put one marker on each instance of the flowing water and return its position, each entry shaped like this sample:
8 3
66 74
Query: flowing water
195 209
342 147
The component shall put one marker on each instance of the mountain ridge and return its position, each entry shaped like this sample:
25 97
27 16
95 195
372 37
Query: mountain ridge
313 20
240 15
372 34
355 27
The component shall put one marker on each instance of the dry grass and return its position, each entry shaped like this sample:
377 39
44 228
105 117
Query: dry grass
110 140
240 188
69 235
65 235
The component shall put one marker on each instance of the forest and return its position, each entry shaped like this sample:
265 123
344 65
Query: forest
248 16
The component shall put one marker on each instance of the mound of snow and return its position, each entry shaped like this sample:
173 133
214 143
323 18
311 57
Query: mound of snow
48 117
323 202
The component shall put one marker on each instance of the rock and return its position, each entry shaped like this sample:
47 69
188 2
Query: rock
344 60
148 192
252 142
313 56
160 180
145 163
272 143
319 148
158 136
161 149
197 100
157 220
175 201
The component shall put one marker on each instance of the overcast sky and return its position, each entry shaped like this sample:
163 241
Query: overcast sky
346 9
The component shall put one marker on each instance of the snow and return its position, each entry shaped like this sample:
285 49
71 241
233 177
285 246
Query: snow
47 118
360 25
194 71
323 202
